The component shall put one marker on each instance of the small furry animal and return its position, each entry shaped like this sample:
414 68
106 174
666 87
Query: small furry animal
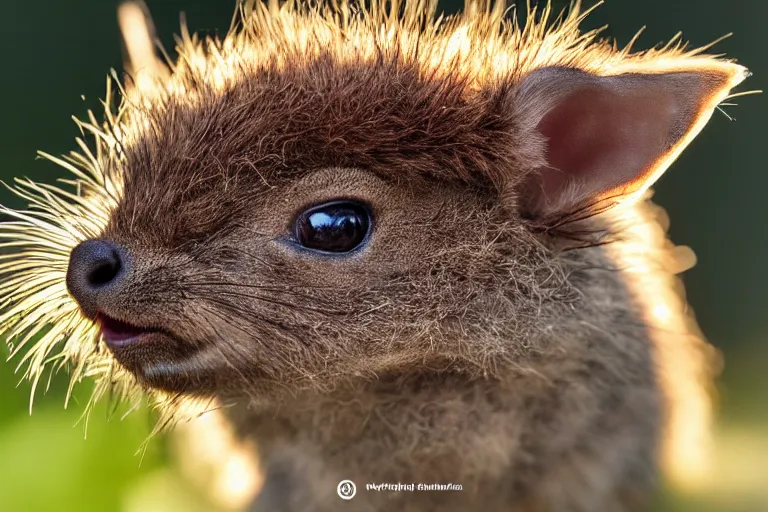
400 249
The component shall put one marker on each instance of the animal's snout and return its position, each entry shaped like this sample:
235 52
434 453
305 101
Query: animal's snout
95 266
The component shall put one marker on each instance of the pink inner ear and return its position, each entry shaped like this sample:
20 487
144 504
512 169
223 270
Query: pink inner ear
602 140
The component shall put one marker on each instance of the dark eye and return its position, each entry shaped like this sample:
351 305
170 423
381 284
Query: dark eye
333 227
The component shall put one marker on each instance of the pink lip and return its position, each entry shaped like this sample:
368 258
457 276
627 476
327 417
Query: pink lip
117 333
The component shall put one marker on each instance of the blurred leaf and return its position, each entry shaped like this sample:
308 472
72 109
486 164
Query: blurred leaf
46 461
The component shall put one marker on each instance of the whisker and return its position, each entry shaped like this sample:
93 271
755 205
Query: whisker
242 355
281 303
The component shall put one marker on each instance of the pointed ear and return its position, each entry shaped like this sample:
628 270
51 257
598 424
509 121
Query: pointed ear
142 64
605 138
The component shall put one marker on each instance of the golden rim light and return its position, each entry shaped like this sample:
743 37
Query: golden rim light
42 323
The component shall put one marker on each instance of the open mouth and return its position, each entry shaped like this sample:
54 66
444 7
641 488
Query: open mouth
155 356
118 333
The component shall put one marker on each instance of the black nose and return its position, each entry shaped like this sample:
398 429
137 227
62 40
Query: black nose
94 265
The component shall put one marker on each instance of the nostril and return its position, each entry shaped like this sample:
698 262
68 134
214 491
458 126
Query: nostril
93 265
105 271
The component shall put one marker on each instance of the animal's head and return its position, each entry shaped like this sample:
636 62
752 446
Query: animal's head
336 192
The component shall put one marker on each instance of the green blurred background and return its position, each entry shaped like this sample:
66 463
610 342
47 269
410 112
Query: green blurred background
56 51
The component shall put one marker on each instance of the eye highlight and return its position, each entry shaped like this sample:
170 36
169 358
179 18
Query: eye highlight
336 227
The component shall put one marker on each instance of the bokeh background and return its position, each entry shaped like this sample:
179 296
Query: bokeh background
55 51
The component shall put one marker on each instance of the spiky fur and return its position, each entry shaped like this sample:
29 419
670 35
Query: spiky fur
546 346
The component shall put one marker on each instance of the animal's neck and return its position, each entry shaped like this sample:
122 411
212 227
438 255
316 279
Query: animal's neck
431 429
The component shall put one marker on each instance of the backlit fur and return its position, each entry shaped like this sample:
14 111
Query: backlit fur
463 346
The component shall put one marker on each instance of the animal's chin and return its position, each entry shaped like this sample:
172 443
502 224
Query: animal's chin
157 358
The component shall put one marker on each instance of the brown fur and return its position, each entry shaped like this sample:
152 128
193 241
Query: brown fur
462 345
